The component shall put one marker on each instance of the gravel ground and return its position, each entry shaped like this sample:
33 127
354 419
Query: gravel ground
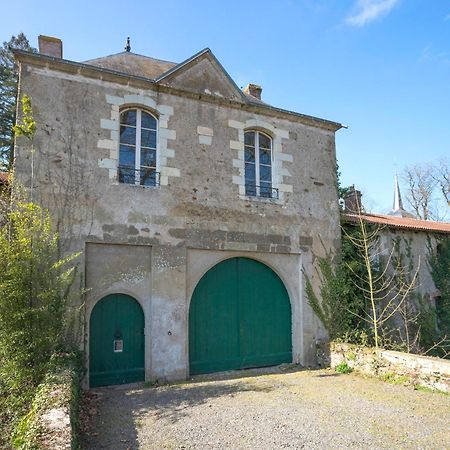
270 409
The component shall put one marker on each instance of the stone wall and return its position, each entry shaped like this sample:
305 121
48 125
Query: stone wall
200 207
430 372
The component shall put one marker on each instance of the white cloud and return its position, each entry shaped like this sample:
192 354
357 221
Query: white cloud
366 11
429 53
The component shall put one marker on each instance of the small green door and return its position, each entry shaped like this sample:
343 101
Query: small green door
116 341
239 317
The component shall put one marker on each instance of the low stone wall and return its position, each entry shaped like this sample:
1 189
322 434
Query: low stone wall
52 420
430 372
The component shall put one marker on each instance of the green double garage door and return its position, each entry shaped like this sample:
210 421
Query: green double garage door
239 317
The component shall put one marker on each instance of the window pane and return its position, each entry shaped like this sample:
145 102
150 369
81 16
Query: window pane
265 190
127 135
128 117
148 157
148 138
126 165
148 121
264 141
250 183
265 173
148 176
249 154
250 173
249 138
127 175
264 157
127 156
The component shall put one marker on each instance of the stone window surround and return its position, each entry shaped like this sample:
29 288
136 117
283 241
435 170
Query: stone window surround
257 163
137 146
112 124
279 172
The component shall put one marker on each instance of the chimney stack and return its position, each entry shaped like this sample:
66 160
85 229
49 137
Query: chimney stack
254 90
50 46
353 201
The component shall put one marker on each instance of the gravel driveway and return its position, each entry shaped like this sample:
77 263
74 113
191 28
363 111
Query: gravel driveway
269 409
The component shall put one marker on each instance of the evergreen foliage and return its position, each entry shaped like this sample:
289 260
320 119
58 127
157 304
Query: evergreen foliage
9 77
439 263
339 302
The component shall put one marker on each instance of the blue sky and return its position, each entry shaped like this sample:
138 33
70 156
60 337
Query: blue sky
382 67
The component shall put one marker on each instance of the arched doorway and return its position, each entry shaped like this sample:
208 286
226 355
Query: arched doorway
116 341
239 317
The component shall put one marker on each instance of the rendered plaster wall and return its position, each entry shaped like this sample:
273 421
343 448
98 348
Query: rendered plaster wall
197 208
414 250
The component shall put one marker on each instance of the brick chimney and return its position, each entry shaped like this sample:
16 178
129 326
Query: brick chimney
353 200
254 90
50 46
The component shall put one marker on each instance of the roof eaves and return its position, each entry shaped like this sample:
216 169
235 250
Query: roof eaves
421 225
68 62
328 124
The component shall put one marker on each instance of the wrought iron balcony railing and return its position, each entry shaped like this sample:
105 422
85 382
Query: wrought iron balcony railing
143 176
253 190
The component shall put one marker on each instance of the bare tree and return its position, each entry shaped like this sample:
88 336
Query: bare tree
385 284
428 190
441 174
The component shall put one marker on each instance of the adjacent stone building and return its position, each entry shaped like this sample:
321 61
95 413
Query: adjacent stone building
195 204
406 241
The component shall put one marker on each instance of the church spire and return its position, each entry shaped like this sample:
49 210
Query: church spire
398 204
398 209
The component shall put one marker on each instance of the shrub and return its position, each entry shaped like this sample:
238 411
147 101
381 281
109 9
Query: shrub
34 286
343 367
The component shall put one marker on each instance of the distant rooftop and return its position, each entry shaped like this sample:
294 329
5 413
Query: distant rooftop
406 223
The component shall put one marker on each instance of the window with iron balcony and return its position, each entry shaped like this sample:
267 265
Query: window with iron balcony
258 165
138 148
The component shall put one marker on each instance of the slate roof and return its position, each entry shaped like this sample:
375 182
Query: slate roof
157 70
147 67
133 64
405 223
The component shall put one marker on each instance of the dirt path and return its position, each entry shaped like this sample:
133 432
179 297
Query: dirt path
302 409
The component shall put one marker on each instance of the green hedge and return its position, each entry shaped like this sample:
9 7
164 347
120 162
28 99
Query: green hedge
59 390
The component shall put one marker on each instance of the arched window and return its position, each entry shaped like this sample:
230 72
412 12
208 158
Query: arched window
138 144
258 164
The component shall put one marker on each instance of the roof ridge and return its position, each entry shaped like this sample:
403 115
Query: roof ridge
135 54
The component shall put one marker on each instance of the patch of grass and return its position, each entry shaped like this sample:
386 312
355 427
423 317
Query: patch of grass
392 378
343 367
420 388
351 356
60 389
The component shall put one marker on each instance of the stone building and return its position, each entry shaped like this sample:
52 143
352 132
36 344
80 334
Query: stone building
195 204
414 240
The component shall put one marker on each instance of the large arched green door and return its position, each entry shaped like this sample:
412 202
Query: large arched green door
239 317
116 341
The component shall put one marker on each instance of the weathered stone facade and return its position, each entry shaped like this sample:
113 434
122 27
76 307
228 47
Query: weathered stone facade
155 243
